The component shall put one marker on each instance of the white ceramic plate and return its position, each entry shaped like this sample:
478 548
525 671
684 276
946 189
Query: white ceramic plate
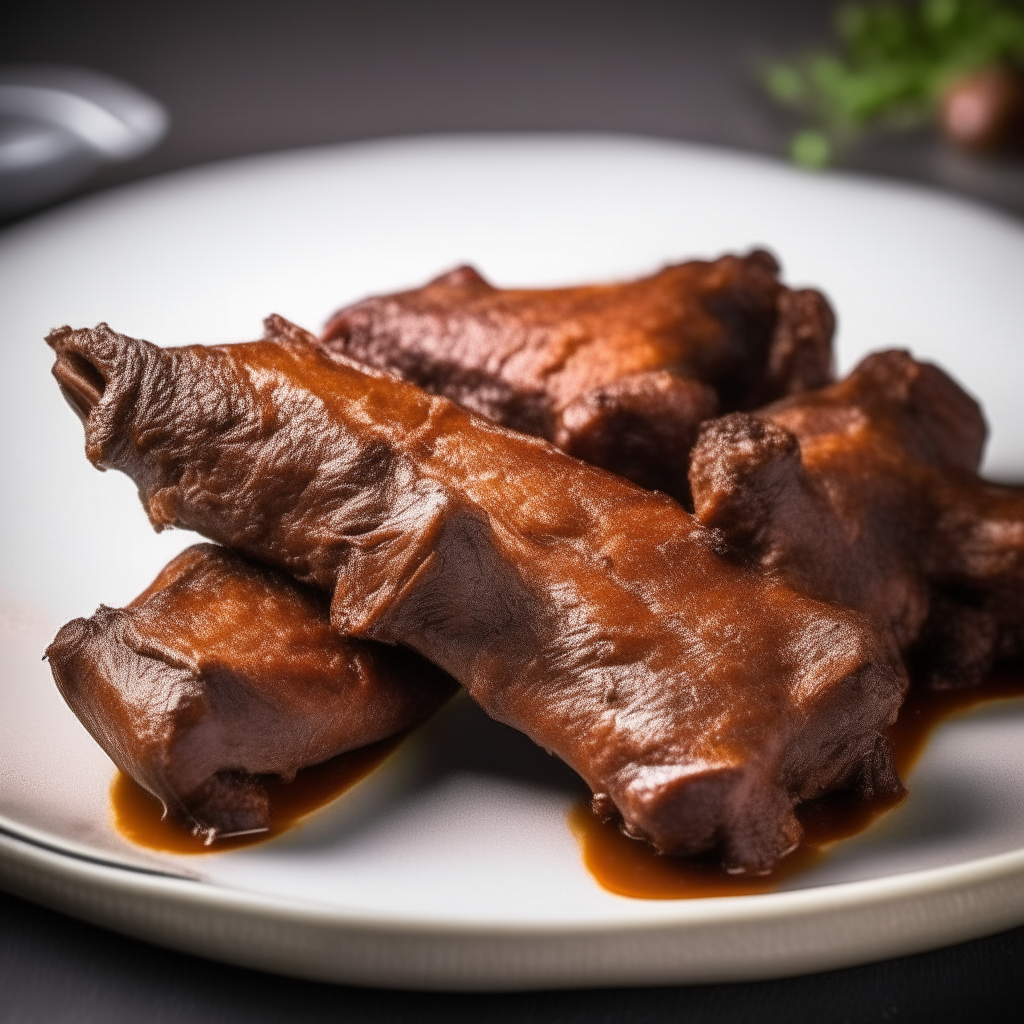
452 866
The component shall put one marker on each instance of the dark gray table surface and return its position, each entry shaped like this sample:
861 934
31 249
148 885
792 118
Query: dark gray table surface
242 78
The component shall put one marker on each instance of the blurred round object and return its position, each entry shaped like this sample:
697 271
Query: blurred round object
983 112
58 124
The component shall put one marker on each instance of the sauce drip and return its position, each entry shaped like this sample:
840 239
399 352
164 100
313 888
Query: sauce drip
619 864
630 868
137 813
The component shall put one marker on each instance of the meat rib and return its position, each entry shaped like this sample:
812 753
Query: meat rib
618 375
699 698
867 493
223 671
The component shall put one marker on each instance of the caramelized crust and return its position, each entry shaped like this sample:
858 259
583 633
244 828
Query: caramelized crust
223 671
866 493
619 375
700 699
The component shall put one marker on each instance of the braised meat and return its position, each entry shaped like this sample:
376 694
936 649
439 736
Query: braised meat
699 698
224 671
867 493
617 375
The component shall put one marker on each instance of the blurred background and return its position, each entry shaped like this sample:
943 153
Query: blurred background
247 77
229 78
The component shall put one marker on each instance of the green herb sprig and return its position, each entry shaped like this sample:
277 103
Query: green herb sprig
896 61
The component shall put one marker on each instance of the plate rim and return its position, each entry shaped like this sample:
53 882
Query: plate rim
756 937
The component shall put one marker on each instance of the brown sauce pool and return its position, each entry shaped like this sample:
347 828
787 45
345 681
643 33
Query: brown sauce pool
619 864
138 814
630 868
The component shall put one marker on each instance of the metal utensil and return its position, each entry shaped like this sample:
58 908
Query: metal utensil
58 124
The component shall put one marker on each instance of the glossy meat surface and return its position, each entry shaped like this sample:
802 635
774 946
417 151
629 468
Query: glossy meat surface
223 671
866 493
699 698
618 375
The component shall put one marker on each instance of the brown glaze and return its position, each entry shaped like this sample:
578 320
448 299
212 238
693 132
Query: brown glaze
619 375
139 816
699 698
866 493
224 672
630 869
